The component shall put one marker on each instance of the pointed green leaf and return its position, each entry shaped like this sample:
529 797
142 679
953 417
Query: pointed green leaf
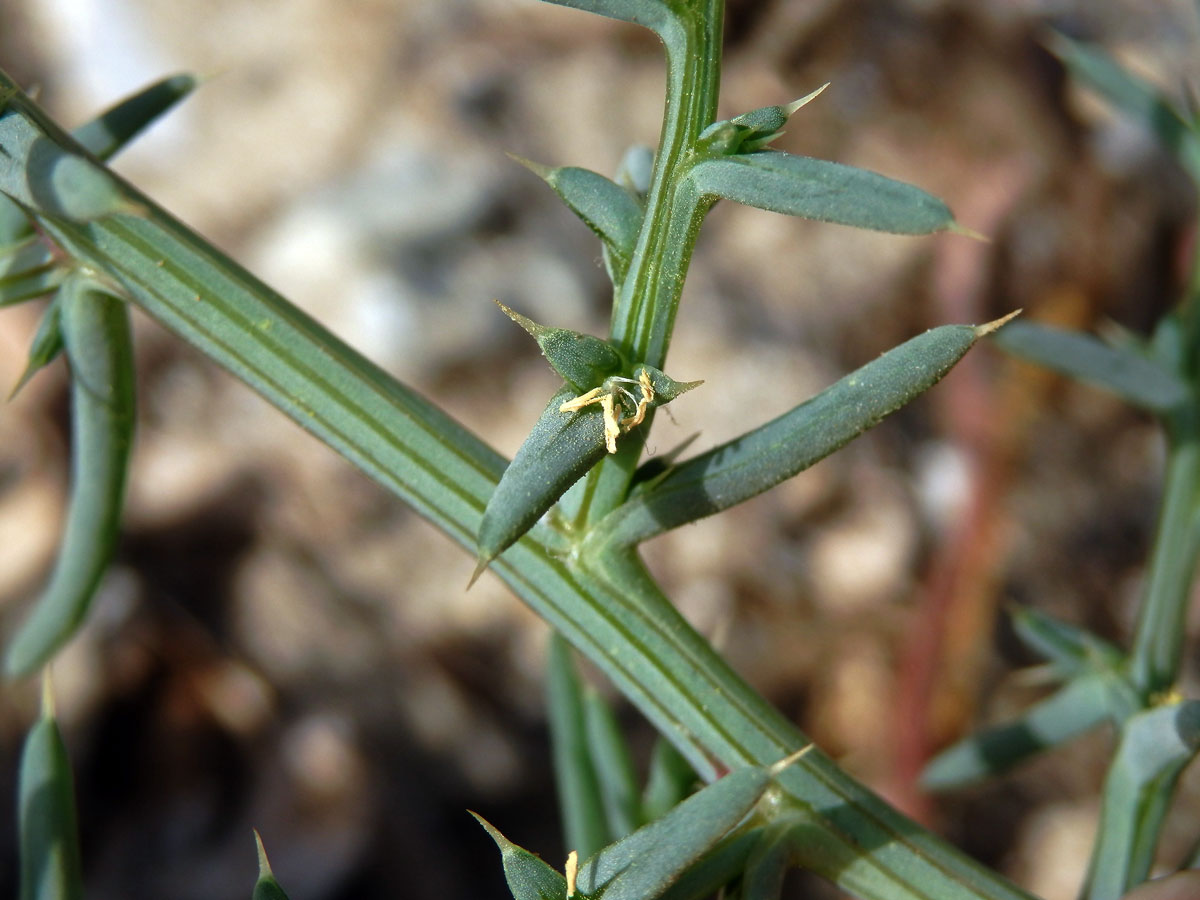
671 779
585 828
266 887
1078 706
750 131
1155 747
1129 375
657 15
564 444
557 453
603 205
1136 98
748 465
614 768
529 878
1069 648
650 860
47 344
96 332
49 835
582 360
821 190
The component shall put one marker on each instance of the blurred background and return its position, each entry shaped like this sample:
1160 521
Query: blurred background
282 645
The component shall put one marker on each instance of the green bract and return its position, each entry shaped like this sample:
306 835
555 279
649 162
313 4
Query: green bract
580 359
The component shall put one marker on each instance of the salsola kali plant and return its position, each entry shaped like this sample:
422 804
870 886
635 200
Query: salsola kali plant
561 523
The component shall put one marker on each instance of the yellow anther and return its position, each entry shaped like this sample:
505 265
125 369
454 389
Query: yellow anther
608 395
578 403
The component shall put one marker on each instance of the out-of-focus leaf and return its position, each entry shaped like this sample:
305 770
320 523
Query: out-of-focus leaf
1127 374
114 128
51 178
671 779
1155 747
1073 709
821 190
96 333
1134 97
1070 648
614 767
585 827
49 835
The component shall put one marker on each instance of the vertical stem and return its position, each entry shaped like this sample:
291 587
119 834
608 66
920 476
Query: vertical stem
644 314
1158 644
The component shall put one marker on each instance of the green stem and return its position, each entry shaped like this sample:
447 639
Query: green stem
644 314
1158 643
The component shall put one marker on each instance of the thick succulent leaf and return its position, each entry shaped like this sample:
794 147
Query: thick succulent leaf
603 205
1076 707
266 887
646 863
821 190
49 834
1133 96
748 465
1155 747
1068 647
1129 375
528 877
614 767
581 805
96 333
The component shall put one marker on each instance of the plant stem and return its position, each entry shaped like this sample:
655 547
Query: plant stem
644 313
1158 643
